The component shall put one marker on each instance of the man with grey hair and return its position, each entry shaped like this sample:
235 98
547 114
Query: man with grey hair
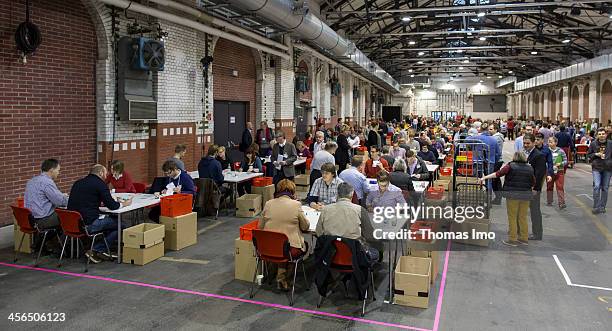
284 154
399 177
319 143
320 158
348 220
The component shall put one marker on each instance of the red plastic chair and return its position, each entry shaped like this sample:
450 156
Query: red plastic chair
343 263
73 226
582 151
273 247
140 187
24 216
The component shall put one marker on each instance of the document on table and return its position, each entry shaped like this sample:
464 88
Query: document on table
312 216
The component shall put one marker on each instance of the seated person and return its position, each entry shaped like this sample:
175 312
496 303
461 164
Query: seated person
86 196
302 152
251 163
397 151
386 155
42 197
210 167
376 164
284 214
222 158
348 220
416 167
176 179
387 194
119 179
179 153
354 176
399 177
426 154
325 189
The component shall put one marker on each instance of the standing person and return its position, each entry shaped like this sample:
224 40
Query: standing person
497 184
263 138
318 144
566 143
373 137
546 132
86 196
375 164
510 125
537 160
600 154
247 137
559 161
386 155
179 153
119 179
539 144
42 197
342 155
518 143
517 190
283 156
284 214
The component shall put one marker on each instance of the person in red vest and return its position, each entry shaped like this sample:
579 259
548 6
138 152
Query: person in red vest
263 138
119 179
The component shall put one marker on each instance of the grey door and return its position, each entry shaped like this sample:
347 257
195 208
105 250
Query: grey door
230 122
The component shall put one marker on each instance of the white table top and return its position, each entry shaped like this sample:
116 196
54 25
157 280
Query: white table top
419 185
299 161
312 216
140 200
432 167
232 176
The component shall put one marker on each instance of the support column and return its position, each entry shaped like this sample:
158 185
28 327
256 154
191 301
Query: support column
594 97
285 89
566 102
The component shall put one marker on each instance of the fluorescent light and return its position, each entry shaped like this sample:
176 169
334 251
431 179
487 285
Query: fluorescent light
411 42
489 77
482 38
420 62
421 53
500 76
411 76
481 14
460 68
459 51
534 52
481 81
466 61
566 41
409 70
406 18
510 71
523 66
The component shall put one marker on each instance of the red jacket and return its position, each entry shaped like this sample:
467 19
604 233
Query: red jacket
123 184
371 171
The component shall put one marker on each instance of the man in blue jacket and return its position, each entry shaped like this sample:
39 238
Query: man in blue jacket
181 183
86 196
209 167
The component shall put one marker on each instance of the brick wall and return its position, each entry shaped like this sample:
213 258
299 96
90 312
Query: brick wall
229 56
47 107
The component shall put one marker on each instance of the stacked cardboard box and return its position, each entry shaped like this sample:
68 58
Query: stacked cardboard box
478 225
248 205
447 184
27 240
302 183
143 243
266 192
181 231
244 260
433 255
412 281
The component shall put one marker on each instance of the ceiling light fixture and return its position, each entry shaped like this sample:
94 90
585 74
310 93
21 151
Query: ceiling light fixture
482 38
406 18
411 76
481 14
500 76
420 62
409 70
534 52
421 53
459 51
481 81
466 61
411 42
566 41
510 71
460 68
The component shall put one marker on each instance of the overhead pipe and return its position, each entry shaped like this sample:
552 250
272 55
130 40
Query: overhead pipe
310 28
138 8
202 16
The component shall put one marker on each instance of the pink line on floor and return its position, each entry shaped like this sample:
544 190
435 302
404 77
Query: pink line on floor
442 287
223 297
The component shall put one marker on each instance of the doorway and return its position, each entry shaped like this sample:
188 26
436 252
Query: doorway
230 122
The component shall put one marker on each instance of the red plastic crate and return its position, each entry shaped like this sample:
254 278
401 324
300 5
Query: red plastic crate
20 202
176 205
308 163
246 231
435 193
419 230
446 171
262 181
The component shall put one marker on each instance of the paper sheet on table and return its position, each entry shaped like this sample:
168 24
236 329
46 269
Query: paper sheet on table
313 218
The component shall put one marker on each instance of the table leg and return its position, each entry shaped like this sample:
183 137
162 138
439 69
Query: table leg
390 295
119 236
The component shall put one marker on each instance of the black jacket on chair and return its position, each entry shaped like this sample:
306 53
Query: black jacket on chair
324 255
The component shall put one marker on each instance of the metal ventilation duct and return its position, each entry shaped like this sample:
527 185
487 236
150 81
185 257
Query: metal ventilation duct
311 29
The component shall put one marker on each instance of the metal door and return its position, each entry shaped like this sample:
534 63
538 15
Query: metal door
230 122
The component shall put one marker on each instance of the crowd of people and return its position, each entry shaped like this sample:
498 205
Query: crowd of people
343 159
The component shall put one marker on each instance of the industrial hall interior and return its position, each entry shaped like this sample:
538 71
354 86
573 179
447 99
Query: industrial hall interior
423 165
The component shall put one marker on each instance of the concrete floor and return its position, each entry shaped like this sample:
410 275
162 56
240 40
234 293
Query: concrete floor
494 288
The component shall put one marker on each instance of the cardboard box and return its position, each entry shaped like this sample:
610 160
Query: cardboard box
181 231
266 192
433 255
26 246
143 235
413 275
465 179
302 188
412 281
248 205
303 180
447 184
478 225
142 256
244 260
